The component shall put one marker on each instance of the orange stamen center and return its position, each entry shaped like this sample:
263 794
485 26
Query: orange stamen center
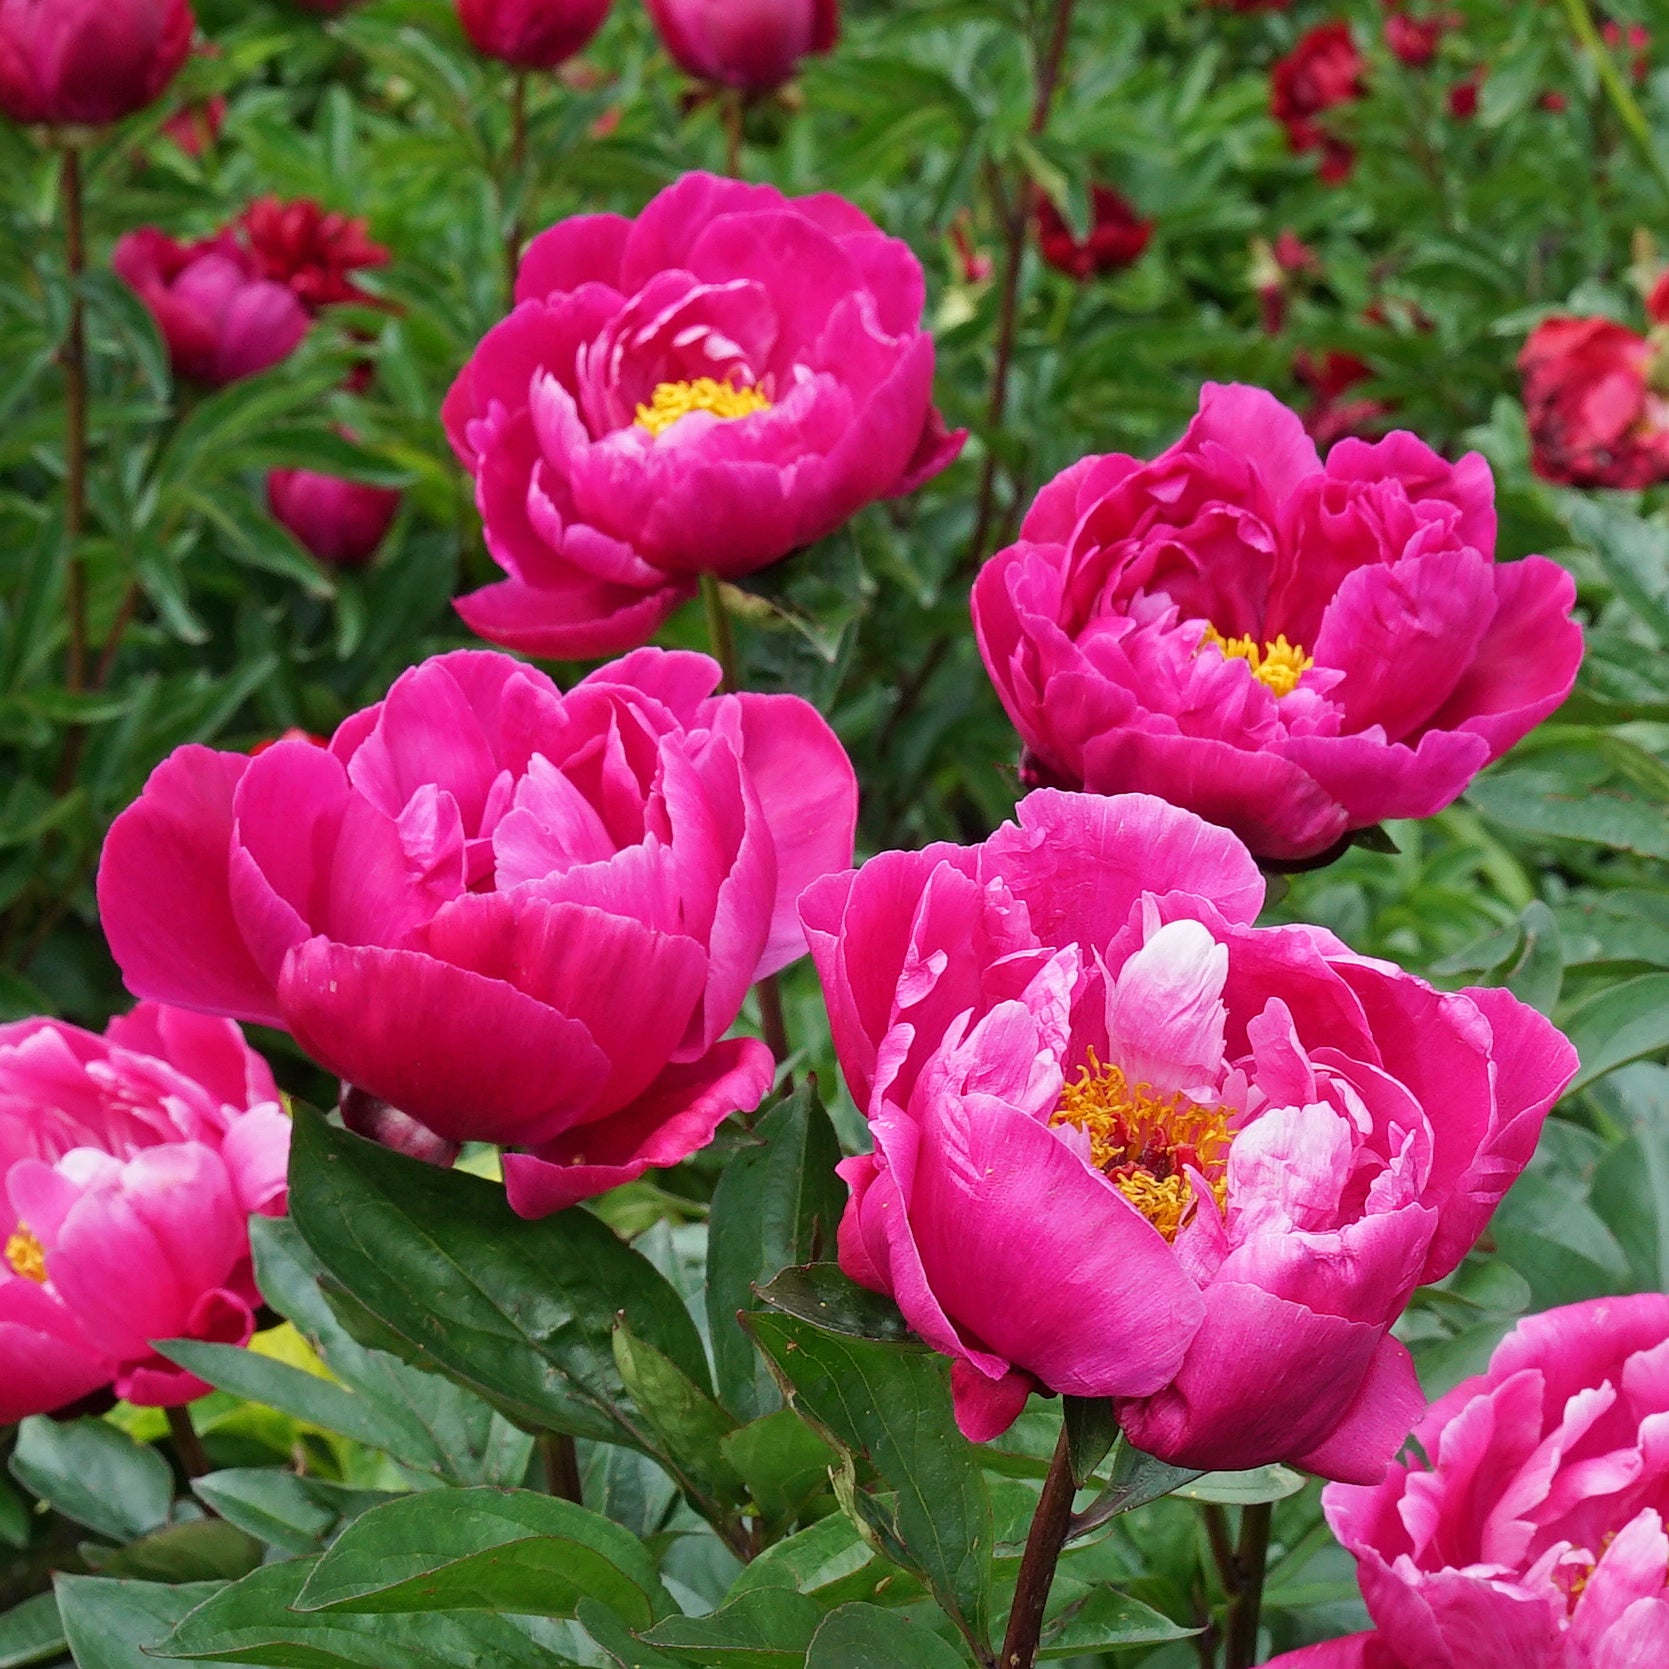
1277 666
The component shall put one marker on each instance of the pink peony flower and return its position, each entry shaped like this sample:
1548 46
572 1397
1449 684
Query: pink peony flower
220 318
131 1164
1529 1531
1128 1145
531 34
517 916
341 522
706 388
84 63
752 44
1290 650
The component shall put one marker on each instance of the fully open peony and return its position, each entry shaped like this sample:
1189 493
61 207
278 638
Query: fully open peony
1291 649
1532 1534
131 1163
703 389
517 915
1128 1145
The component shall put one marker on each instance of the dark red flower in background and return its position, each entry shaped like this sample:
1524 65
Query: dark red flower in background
1323 71
1331 415
1117 235
1636 40
310 249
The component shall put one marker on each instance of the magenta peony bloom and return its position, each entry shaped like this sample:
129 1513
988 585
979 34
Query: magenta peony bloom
341 522
1128 1145
517 916
531 34
83 63
131 1164
220 318
755 45
705 388
1531 1535
1291 650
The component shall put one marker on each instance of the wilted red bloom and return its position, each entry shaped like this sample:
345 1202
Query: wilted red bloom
1414 39
310 249
1292 254
1117 235
1331 416
973 265
1595 420
1638 40
194 127
84 63
531 34
1463 99
1556 102
1323 71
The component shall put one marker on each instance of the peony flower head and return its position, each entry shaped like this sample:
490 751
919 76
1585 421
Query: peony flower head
85 63
1117 235
704 389
755 45
531 34
1128 1145
1595 419
130 1164
1528 1530
340 522
516 915
1323 71
220 318
1288 648
310 250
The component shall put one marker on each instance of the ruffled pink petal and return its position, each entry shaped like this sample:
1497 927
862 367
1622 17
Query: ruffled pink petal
575 622
1355 1651
675 1117
163 892
584 249
1374 780
218 1317
47 1360
986 1408
472 1058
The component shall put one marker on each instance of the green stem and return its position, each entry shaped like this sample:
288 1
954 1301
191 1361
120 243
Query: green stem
1251 1555
1617 90
732 99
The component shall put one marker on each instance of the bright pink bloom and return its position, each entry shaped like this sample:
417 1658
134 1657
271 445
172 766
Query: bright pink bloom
131 1163
1529 1533
752 44
516 915
787 332
531 34
311 250
1128 1145
1117 236
1290 650
220 318
83 63
1595 419
341 522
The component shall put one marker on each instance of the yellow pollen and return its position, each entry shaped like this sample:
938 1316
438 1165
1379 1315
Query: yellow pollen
672 400
1277 666
1147 1143
27 1255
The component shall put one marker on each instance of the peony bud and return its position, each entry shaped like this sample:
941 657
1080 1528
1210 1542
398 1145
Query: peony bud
755 45
83 63
531 34
340 522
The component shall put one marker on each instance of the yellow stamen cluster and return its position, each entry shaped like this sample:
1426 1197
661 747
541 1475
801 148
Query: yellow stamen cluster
1277 666
26 1255
672 400
1147 1143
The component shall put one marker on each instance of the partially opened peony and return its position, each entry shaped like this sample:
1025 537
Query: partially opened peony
84 63
1291 649
131 1164
517 915
755 45
703 389
1128 1145
1529 1532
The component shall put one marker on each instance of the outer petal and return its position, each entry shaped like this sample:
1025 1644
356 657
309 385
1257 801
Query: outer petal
46 1359
986 1408
675 1117
163 892
1361 1447
584 249
472 1058
1355 1651
570 622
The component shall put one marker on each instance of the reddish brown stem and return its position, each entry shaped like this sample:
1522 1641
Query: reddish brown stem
562 1467
1037 1565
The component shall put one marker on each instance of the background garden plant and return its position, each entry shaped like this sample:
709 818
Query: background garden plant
457 1418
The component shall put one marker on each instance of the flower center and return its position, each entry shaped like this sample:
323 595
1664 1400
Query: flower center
1147 1143
1277 666
672 400
27 1255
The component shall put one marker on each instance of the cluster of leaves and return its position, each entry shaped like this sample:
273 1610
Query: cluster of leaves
394 1469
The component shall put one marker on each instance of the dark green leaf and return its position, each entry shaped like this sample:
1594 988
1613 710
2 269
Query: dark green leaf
94 1473
766 1628
1091 1431
821 1294
1106 1620
31 1632
782 1461
866 1637
117 1625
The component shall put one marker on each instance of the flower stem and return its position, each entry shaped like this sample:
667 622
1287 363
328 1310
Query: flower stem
188 1446
1008 312
562 1466
1037 1567
1251 1555
731 100
1617 90
723 642
74 358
